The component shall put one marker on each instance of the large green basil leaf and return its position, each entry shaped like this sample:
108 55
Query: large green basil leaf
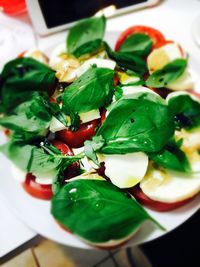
86 36
139 124
18 153
169 73
23 75
127 60
31 116
97 210
139 44
92 90
171 157
186 110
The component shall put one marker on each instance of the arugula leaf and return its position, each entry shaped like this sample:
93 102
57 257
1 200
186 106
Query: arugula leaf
31 117
78 203
86 36
171 157
127 60
92 90
186 110
90 147
23 75
141 124
138 43
167 74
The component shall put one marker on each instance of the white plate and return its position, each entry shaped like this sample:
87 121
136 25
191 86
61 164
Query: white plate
36 213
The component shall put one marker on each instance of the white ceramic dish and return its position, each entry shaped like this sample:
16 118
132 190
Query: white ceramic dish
36 213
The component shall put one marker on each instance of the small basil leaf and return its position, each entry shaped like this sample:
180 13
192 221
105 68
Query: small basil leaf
118 92
86 36
92 90
141 124
90 148
186 110
139 44
97 210
167 74
127 60
171 157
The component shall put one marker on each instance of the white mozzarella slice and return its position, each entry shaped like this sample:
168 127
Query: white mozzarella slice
184 82
90 115
54 57
159 57
45 177
18 174
37 55
99 62
132 91
169 186
87 176
56 125
126 170
124 78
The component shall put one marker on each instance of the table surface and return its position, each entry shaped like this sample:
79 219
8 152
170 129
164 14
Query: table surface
177 15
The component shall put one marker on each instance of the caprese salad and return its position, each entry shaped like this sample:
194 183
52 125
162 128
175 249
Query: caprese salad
102 132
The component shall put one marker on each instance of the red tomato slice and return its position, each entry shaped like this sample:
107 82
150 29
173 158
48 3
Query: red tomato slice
41 191
77 138
153 204
154 34
116 80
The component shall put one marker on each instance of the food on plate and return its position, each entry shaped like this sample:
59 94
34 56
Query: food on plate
102 132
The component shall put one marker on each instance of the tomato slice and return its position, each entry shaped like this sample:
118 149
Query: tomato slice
41 191
156 205
156 36
77 138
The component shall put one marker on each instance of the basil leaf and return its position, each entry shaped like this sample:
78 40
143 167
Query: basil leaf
141 124
97 210
22 75
186 110
18 153
127 60
139 44
171 157
167 74
92 90
86 36
31 116
118 92
90 147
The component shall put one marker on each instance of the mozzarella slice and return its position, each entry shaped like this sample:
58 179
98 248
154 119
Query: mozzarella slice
56 125
18 174
99 62
55 55
158 58
132 91
126 170
37 55
184 82
124 78
90 115
169 186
